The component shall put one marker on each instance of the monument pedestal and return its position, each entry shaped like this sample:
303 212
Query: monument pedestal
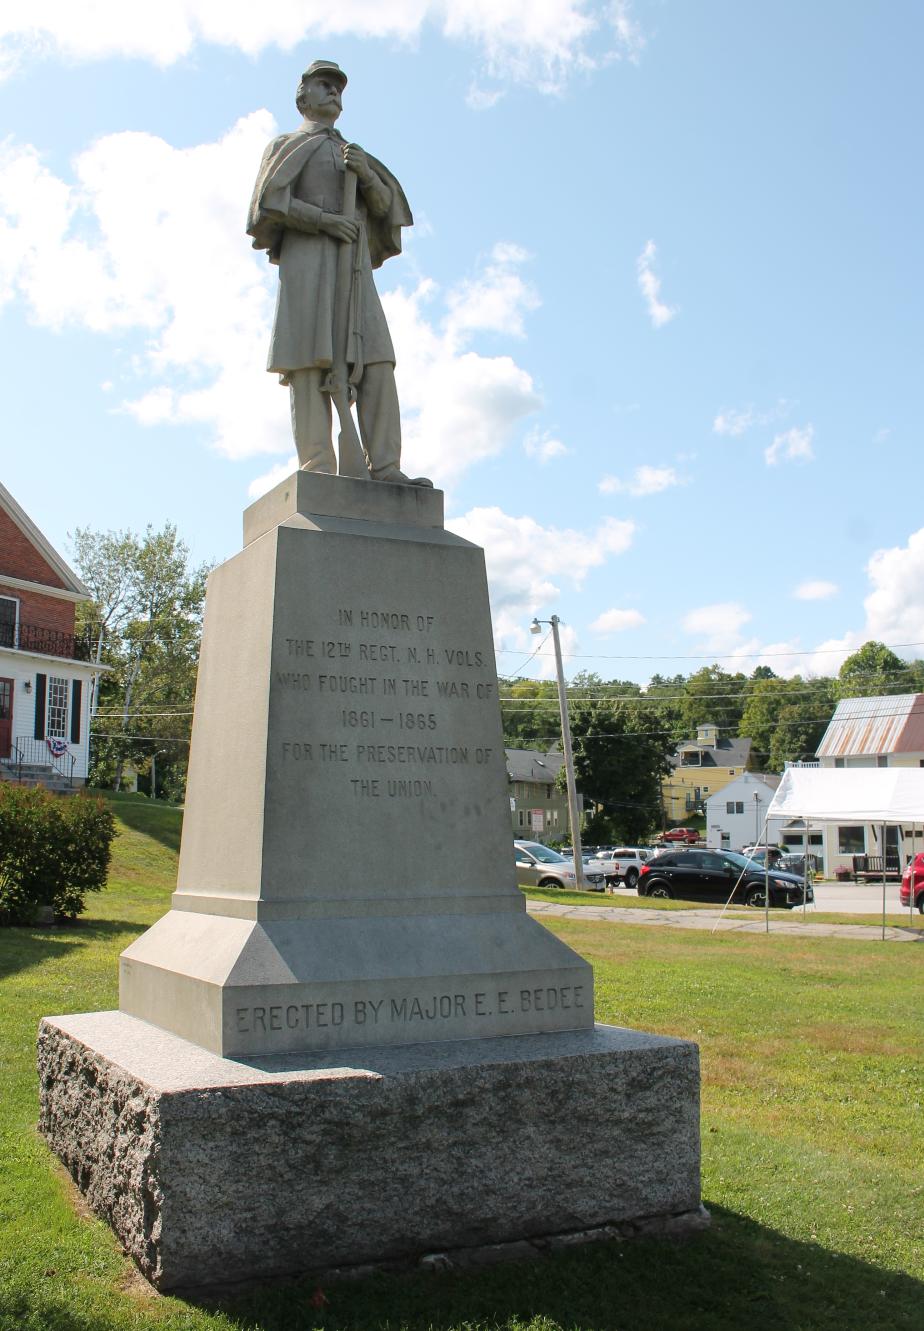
346 872
346 1042
212 1170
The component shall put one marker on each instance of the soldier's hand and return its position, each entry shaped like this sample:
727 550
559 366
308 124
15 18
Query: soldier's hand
341 228
357 161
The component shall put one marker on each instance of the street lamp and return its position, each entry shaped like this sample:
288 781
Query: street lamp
573 815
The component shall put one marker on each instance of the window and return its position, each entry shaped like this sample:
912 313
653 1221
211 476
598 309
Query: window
851 841
731 771
9 614
521 819
729 806
56 714
838 762
882 760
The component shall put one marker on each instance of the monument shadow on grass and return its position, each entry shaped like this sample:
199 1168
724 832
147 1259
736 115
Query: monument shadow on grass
738 1273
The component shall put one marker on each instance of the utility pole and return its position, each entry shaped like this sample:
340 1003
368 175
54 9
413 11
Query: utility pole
573 812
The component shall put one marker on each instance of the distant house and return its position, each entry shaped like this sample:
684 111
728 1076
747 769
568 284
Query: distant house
735 815
873 732
45 672
538 809
700 768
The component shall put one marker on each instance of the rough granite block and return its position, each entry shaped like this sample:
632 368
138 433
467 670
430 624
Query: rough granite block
213 1170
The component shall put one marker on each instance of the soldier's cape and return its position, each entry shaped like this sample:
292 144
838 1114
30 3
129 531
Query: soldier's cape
281 165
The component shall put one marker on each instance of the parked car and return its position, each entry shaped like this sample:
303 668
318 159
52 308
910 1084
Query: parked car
758 854
540 866
710 875
793 861
623 863
916 870
687 834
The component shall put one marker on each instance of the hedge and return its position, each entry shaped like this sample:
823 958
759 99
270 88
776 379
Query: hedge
53 850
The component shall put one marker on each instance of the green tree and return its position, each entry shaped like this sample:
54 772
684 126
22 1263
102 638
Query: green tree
620 754
765 698
146 619
529 708
665 693
713 695
871 671
801 723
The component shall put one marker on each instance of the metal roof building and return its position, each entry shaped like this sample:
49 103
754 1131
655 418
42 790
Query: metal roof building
862 727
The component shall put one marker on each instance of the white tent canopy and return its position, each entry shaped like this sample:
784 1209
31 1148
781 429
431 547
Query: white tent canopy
856 795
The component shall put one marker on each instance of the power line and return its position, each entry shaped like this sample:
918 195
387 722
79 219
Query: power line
711 656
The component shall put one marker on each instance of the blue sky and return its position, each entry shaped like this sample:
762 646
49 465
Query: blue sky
658 322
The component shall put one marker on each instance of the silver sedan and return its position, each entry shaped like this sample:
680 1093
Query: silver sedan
540 866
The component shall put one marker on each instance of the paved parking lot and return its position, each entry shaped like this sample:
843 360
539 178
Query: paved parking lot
843 898
857 898
710 917
847 899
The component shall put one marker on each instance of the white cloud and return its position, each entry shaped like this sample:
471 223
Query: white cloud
617 621
526 563
482 99
736 421
793 445
644 481
882 434
261 485
541 44
718 626
457 406
496 300
148 238
825 659
718 630
544 447
895 606
815 590
650 286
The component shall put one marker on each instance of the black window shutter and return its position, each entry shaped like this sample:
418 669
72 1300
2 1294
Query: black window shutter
76 693
40 707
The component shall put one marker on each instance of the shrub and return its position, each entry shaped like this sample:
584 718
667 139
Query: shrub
53 851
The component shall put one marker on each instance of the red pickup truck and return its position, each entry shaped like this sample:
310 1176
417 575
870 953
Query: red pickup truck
687 834
916 870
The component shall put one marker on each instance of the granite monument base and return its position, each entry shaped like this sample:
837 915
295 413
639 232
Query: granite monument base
213 1171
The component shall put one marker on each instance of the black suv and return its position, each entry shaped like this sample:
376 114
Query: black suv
710 875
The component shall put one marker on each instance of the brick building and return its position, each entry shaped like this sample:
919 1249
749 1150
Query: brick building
45 670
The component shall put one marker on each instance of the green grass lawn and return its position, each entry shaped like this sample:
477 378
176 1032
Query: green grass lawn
813 1086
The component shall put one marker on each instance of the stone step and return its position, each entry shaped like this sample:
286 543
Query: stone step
57 785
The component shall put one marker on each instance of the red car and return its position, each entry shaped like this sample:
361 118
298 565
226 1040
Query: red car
686 834
917 866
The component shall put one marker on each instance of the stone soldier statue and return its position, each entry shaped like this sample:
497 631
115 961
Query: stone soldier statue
329 324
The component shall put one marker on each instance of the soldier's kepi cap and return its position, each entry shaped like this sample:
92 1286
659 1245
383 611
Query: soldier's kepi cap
325 67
